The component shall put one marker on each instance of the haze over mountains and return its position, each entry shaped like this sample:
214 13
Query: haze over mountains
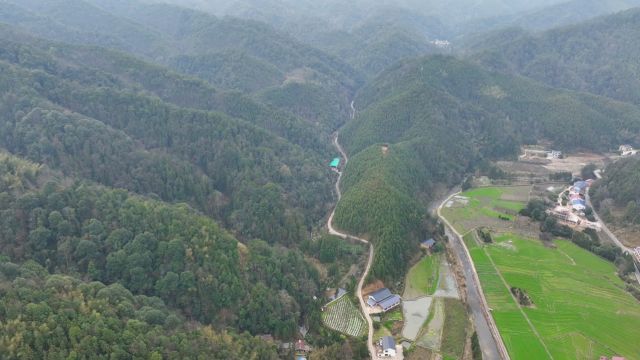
164 163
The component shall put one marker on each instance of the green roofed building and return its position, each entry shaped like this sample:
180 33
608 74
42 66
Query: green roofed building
335 163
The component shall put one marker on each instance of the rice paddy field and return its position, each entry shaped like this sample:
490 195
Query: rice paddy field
422 278
580 307
580 311
485 206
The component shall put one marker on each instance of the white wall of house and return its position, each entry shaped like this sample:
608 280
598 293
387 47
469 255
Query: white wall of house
389 352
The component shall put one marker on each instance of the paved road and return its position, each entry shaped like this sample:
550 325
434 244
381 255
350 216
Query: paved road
488 336
606 230
333 231
611 235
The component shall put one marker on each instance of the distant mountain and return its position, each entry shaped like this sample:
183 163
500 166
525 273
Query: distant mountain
598 56
548 17
571 12
383 39
431 120
249 56
423 96
341 14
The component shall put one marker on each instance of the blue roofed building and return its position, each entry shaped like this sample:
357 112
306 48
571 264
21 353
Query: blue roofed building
388 345
390 302
384 299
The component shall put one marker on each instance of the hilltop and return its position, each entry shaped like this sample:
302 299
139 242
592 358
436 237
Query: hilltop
432 120
597 56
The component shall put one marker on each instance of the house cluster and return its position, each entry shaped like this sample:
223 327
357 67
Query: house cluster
541 152
387 347
577 195
554 154
627 150
442 44
573 213
383 299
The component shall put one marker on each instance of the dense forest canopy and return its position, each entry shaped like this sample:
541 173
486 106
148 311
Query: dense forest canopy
429 121
619 190
120 134
65 317
164 186
249 56
153 249
597 56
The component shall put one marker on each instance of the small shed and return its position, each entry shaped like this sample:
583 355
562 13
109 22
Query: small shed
335 163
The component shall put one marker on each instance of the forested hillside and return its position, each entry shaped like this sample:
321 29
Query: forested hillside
598 56
432 120
169 252
67 318
619 189
489 112
164 185
249 56
382 40
103 122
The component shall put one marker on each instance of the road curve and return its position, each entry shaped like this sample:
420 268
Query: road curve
489 338
611 235
606 230
333 231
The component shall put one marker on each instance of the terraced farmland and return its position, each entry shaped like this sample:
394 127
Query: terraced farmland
341 315
580 307
486 206
580 311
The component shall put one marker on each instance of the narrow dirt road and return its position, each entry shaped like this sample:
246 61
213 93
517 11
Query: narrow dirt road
333 231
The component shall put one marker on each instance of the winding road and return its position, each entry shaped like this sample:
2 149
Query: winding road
333 231
489 338
610 234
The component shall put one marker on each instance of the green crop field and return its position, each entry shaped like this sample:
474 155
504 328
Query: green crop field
580 311
487 205
580 308
454 332
341 315
422 278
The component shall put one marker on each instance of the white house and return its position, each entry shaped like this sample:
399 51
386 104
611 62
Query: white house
388 345
554 154
627 150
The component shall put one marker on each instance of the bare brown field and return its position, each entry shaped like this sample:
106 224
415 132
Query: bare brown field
542 168
575 162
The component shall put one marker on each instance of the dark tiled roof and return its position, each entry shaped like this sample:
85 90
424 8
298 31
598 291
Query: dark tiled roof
390 302
381 294
388 343
429 242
